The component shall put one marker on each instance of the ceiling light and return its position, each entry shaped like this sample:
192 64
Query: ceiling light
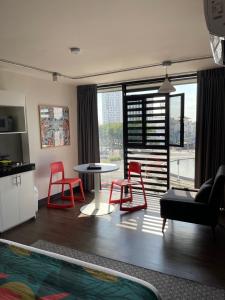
75 50
166 87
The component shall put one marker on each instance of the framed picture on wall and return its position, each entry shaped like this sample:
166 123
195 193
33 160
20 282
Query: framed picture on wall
54 125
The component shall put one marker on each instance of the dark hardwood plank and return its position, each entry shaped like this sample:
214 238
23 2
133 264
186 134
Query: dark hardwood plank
185 250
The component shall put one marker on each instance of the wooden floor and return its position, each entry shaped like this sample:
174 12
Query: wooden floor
185 250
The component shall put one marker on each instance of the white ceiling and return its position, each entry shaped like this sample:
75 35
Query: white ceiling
112 35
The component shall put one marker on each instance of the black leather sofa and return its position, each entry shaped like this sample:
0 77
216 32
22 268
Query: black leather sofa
181 205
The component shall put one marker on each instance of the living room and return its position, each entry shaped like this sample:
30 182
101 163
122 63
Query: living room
50 51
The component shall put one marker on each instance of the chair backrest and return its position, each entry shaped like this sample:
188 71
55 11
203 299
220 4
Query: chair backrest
57 167
217 194
134 167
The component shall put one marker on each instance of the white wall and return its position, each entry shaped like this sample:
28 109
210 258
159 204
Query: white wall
41 91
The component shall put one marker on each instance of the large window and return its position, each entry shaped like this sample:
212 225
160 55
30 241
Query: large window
110 118
182 159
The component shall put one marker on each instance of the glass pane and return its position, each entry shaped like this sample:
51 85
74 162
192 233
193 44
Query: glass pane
110 118
182 160
175 121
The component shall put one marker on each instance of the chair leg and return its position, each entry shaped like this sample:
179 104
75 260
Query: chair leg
63 197
143 190
136 207
121 197
56 205
131 194
164 224
82 190
49 193
110 195
72 196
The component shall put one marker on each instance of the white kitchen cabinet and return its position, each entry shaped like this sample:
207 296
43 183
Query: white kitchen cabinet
9 207
17 203
26 195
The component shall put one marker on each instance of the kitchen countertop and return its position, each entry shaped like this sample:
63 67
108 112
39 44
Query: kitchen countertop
15 169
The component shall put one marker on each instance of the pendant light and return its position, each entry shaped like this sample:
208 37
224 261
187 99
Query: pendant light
166 87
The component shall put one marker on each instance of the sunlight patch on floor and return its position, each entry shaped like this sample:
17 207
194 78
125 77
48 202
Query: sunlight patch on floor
128 224
83 216
153 232
148 224
153 203
153 225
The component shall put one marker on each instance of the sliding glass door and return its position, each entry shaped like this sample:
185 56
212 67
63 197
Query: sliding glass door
182 159
146 139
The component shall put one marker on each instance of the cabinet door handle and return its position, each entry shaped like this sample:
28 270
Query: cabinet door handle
19 181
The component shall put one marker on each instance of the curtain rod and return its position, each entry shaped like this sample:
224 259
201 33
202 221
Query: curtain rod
147 80
176 61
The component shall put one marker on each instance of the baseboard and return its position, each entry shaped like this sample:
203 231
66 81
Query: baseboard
44 201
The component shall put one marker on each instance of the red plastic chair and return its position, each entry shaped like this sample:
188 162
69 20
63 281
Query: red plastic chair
134 167
58 168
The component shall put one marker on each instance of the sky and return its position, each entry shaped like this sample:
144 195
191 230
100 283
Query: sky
100 108
190 91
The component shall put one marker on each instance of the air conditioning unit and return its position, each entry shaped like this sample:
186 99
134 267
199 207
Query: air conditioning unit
215 20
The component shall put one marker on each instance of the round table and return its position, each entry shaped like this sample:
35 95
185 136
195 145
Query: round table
99 206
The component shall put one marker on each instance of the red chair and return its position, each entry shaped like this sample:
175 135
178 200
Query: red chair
134 167
58 168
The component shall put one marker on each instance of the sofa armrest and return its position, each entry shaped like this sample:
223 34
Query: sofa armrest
186 204
187 211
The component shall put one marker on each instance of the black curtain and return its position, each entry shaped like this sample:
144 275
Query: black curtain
210 127
88 136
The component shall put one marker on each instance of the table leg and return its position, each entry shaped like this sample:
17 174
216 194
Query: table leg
97 189
99 206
